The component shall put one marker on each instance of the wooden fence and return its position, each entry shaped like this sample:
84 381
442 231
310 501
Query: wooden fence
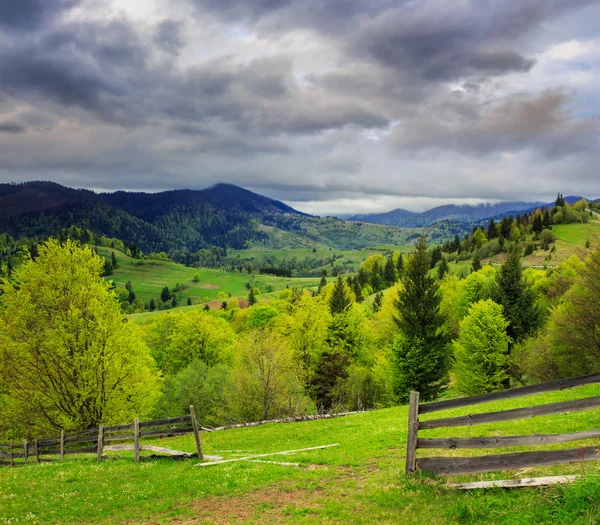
98 440
491 463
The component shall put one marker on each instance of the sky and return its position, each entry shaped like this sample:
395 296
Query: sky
333 106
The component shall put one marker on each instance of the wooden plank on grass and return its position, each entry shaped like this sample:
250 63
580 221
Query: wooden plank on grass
515 483
285 452
413 431
136 439
100 442
470 465
512 393
563 407
506 441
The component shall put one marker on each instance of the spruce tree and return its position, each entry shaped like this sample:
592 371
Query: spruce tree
390 272
174 301
422 354
517 297
443 268
113 259
377 301
492 231
251 297
323 282
400 265
165 295
189 301
152 306
476 263
339 301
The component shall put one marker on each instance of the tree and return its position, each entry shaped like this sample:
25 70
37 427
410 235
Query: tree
113 259
538 223
390 272
251 297
165 295
492 231
421 350
67 358
323 282
152 305
339 301
400 265
517 297
377 301
174 301
476 263
481 351
443 268
189 301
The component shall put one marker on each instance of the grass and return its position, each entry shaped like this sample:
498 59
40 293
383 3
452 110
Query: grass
361 481
148 278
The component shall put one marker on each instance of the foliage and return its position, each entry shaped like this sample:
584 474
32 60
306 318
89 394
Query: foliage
67 358
481 351
421 351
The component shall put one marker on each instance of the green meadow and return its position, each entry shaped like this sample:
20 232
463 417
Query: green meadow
149 277
360 481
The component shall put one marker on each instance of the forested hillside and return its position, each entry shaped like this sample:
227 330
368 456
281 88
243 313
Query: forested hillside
181 222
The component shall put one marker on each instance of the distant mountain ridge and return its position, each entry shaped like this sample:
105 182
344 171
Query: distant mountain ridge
180 221
453 212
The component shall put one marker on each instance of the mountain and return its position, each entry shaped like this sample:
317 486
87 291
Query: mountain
180 221
391 218
450 212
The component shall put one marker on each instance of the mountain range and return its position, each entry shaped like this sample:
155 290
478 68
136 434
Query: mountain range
181 220
452 212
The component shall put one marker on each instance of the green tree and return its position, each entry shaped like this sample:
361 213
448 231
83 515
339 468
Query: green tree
165 295
517 297
377 301
421 350
443 268
251 297
323 282
339 301
152 305
476 263
189 301
390 272
481 351
113 260
67 358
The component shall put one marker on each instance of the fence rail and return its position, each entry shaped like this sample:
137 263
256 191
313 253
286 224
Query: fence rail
93 440
491 463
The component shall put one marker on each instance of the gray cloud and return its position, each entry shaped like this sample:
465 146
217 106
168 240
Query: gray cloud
345 99
31 14
11 127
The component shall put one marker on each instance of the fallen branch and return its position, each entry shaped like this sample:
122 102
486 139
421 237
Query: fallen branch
252 456
282 463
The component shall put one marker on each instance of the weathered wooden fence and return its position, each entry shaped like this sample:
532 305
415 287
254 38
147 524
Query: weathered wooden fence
491 463
98 440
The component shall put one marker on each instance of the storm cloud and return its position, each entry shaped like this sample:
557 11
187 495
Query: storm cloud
327 105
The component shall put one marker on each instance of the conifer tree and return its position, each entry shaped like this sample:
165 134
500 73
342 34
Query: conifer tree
390 272
378 301
422 356
492 232
189 301
339 301
251 297
443 268
165 295
174 301
476 263
152 306
113 259
517 297
400 265
323 282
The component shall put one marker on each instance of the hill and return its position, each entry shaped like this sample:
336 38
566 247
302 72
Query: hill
181 221
359 481
450 212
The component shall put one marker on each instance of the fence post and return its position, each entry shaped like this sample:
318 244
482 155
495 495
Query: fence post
136 438
413 430
37 451
62 445
100 442
25 449
196 433
12 456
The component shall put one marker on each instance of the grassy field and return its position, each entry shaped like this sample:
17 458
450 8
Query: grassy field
360 481
148 278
